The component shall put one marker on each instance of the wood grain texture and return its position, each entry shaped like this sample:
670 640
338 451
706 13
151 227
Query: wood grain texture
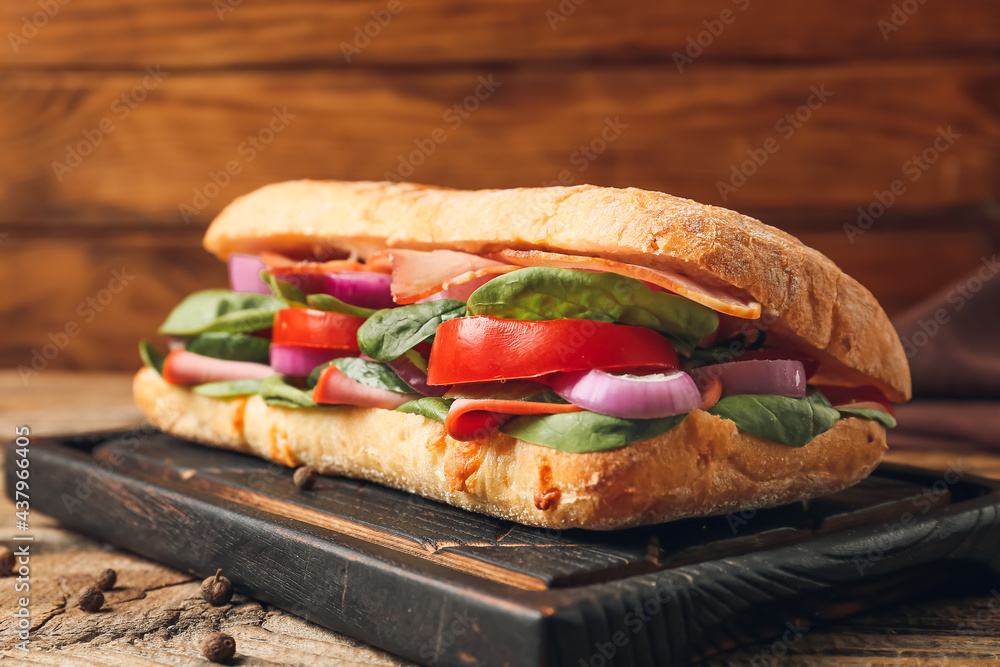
157 618
153 617
683 134
84 301
191 33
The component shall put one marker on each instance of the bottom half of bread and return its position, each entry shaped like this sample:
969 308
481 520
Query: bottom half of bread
703 466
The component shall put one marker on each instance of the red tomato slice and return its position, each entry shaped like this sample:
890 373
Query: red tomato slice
843 397
472 419
482 349
315 328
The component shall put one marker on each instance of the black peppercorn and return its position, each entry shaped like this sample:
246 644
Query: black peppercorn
90 599
106 579
305 477
6 562
219 647
217 590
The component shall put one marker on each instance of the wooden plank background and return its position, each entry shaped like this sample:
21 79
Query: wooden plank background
118 119
202 34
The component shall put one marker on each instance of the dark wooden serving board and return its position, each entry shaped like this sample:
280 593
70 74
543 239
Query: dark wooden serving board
442 586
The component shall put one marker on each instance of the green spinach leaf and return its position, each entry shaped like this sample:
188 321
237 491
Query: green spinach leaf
428 406
729 349
546 293
882 418
332 304
151 356
296 298
582 432
228 388
792 422
292 295
390 332
276 390
222 310
233 347
372 374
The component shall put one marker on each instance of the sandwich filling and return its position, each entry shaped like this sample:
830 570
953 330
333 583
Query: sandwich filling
580 354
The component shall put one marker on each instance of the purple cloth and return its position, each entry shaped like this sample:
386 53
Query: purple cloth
952 341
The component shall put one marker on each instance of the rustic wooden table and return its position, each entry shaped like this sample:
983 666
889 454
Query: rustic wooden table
155 616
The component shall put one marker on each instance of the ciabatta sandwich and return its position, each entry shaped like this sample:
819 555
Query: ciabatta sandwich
561 357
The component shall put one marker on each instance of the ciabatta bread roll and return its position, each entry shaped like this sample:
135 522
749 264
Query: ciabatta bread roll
704 465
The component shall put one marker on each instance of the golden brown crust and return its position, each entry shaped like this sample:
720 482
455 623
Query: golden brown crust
703 466
799 287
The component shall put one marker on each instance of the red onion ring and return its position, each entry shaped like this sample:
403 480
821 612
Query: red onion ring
776 377
416 378
366 289
244 274
298 360
628 396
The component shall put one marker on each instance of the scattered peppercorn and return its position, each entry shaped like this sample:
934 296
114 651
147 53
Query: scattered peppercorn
305 477
90 599
219 647
217 590
6 562
106 579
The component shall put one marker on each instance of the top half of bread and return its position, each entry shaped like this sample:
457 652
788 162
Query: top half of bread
807 299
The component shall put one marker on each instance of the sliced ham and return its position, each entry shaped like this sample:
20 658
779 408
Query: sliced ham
472 419
417 274
183 367
711 297
335 388
461 292
280 265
